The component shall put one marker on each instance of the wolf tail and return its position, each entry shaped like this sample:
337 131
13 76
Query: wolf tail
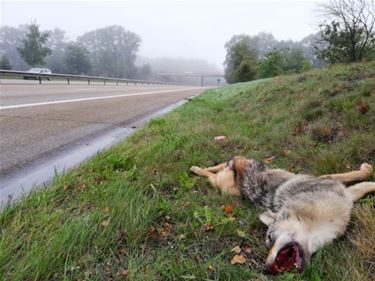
361 189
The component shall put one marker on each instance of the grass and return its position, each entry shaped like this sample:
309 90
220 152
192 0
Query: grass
135 212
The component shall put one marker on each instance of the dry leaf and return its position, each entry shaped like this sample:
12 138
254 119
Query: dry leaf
81 186
228 209
122 251
211 268
220 138
238 259
240 233
106 210
181 236
124 274
105 222
236 249
286 152
151 232
166 230
208 227
268 160
247 250
363 108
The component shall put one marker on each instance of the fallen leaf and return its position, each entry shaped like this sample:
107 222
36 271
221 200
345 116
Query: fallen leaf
240 233
181 236
106 210
105 222
211 268
247 250
238 259
122 251
185 205
286 152
152 232
363 108
220 138
236 249
81 186
228 209
166 230
208 227
268 160
124 274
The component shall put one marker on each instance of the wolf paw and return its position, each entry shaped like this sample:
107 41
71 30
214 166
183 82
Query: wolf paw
367 168
195 170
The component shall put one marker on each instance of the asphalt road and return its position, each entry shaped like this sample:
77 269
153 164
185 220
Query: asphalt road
38 120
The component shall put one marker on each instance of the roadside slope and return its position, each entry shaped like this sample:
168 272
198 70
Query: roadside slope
136 212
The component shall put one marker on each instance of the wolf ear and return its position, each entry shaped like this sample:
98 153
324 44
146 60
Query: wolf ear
267 217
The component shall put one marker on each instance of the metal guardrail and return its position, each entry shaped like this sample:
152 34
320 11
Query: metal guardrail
69 77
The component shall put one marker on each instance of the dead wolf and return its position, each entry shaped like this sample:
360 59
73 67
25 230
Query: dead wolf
304 212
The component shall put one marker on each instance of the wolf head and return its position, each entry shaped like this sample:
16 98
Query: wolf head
292 241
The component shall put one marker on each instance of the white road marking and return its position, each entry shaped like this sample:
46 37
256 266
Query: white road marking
94 98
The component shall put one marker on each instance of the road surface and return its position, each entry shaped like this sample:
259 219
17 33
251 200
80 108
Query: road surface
36 121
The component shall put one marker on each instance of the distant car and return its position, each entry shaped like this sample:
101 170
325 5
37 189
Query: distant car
37 70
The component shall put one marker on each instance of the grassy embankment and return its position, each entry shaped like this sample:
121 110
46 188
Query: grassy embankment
136 212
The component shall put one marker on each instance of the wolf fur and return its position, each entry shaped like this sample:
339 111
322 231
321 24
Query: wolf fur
309 210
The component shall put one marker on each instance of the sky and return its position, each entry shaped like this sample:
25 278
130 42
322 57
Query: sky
184 29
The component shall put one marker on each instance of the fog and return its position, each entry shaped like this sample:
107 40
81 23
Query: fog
177 29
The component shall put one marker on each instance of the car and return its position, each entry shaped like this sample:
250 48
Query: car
37 70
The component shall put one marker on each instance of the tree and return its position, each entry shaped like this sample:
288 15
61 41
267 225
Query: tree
241 59
112 51
76 59
10 39
4 63
33 49
350 34
57 42
273 64
295 61
146 70
283 61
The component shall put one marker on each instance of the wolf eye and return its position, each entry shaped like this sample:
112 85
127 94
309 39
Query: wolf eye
268 240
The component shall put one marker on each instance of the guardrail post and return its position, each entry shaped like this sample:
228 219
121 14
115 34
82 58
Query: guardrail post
135 83
127 83
88 82
68 81
116 83
104 81
40 80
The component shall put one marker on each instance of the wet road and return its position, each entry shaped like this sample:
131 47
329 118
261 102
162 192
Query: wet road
37 121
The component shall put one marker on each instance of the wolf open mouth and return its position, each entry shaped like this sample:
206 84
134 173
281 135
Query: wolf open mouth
288 257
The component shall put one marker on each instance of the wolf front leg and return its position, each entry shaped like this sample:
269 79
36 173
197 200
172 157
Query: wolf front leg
363 173
223 180
217 168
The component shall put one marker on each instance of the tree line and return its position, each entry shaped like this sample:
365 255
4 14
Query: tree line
346 35
110 51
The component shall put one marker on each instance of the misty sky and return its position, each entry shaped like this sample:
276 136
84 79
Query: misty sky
188 29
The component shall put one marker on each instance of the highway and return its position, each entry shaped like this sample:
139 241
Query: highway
37 121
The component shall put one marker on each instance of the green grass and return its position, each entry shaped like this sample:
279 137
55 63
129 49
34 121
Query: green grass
136 212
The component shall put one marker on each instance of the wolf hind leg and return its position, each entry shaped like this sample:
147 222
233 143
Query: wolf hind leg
205 173
363 173
359 190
